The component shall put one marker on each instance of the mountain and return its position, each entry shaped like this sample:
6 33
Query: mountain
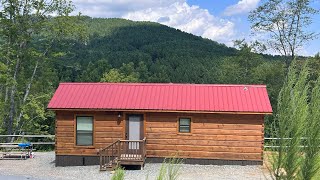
118 50
181 56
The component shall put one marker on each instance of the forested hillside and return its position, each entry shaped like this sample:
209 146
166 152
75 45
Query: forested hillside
168 54
150 52
118 50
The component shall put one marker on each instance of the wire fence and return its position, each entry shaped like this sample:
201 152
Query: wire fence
269 144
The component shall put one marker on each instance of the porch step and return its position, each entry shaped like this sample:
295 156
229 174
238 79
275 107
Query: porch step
112 165
130 157
123 152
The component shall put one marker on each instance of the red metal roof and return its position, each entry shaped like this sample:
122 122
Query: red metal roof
158 96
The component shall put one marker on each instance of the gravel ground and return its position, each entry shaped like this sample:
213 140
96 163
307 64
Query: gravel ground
42 167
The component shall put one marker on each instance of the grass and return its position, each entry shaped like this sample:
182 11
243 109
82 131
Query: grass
269 157
118 174
170 169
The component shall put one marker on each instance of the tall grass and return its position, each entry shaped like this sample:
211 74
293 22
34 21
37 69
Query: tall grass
118 174
162 172
297 118
311 165
170 169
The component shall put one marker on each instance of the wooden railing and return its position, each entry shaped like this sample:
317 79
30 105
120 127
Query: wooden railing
120 151
108 154
33 139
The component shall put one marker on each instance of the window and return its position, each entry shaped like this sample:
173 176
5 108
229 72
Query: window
184 125
84 130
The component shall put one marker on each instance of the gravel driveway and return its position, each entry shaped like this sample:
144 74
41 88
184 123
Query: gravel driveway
42 167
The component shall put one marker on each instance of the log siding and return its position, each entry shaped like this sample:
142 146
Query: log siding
212 136
107 129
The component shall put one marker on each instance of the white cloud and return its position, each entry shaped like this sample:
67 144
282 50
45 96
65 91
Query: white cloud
116 8
174 13
188 18
243 6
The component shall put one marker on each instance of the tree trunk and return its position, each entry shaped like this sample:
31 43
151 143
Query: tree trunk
26 94
27 91
12 102
6 85
12 110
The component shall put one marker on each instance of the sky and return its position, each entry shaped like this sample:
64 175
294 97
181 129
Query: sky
221 21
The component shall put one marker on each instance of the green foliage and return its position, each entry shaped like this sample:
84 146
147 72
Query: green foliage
118 174
126 73
162 172
272 74
84 49
298 119
94 71
29 36
311 165
284 114
170 169
299 109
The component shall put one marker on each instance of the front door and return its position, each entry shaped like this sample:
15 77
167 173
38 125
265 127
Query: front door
134 130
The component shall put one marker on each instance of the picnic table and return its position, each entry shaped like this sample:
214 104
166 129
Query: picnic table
16 151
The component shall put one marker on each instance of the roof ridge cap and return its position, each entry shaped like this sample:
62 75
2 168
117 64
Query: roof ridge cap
163 84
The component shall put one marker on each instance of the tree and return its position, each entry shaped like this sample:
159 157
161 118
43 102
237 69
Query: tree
286 23
28 32
94 71
126 73
239 69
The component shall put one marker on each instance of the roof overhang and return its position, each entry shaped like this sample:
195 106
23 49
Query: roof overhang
168 111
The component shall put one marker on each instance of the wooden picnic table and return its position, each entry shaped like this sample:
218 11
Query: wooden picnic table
14 151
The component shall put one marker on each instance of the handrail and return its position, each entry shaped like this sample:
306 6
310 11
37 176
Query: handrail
122 150
133 140
110 145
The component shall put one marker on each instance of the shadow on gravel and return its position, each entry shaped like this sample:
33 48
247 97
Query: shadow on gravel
131 167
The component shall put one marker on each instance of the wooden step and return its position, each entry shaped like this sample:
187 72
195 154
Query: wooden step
112 165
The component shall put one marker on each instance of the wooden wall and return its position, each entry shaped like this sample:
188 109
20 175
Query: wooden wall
107 129
213 136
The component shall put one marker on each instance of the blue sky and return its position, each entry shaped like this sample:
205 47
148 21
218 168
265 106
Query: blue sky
222 21
217 8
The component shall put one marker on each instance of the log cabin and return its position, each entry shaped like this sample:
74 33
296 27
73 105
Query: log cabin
133 123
